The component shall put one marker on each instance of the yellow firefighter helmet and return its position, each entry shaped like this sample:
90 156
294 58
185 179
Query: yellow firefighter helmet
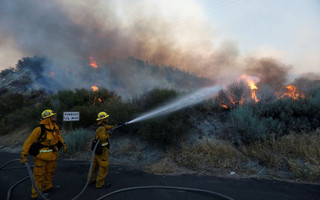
102 115
47 113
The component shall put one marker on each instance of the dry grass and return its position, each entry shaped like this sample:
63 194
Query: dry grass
18 136
298 154
207 156
127 147
164 166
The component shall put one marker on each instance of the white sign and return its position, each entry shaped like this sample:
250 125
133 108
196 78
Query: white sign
71 116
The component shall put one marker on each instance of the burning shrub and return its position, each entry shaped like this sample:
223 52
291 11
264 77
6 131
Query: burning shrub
236 94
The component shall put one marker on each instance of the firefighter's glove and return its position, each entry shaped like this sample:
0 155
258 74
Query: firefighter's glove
65 148
23 159
120 124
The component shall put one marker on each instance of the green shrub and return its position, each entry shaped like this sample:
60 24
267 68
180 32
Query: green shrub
244 126
121 112
88 103
77 140
295 115
163 130
4 126
155 98
166 130
11 102
23 117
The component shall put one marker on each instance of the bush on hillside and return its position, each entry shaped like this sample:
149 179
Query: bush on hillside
244 126
121 112
296 115
235 95
77 140
155 98
11 102
88 103
163 130
34 64
305 86
17 110
166 130
4 128
266 94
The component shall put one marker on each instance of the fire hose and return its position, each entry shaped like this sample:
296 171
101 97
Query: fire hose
214 194
34 183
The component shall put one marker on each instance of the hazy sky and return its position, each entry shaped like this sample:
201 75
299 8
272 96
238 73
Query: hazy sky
285 29
185 33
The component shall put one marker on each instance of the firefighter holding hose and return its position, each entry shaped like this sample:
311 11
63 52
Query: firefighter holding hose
44 143
101 159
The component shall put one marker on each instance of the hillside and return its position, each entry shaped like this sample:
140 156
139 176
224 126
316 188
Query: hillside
127 77
234 135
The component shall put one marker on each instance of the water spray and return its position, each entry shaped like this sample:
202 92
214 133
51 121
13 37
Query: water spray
177 104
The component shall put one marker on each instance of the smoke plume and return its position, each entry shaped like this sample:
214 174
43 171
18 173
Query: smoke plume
69 33
72 31
270 71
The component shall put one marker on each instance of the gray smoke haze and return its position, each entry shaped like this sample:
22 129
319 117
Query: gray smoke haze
69 32
311 76
270 71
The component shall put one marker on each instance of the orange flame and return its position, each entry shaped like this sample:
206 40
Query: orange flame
224 106
94 88
96 100
291 91
252 86
93 63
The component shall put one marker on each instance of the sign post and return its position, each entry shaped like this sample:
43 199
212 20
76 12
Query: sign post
70 117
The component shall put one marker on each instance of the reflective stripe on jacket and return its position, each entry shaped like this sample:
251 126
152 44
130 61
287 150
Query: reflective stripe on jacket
52 137
45 150
102 133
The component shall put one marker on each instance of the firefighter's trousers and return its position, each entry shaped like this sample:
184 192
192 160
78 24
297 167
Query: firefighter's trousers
100 163
43 173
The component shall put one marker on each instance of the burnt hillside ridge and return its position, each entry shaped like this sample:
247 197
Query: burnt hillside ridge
127 77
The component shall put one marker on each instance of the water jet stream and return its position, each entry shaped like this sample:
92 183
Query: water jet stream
178 104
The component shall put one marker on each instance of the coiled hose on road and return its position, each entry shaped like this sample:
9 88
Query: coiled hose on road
213 194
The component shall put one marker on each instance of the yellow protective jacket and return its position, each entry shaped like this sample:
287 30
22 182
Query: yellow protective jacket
102 133
52 137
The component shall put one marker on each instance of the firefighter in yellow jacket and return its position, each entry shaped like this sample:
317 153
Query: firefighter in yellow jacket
45 161
101 162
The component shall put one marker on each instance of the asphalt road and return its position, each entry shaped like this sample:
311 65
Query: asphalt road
71 176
